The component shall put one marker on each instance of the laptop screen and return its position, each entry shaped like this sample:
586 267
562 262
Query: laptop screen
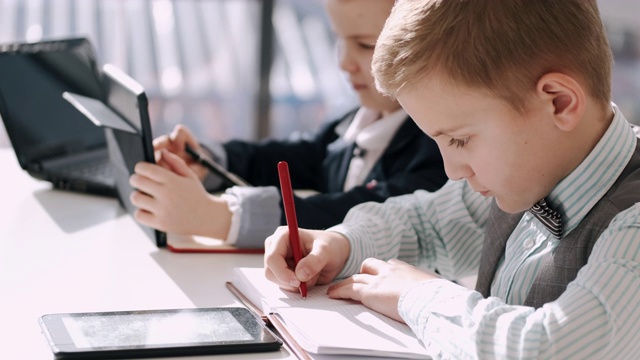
39 122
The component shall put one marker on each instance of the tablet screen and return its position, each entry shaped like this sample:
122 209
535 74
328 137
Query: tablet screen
135 329
157 332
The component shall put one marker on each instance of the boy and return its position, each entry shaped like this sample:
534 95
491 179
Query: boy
370 154
518 94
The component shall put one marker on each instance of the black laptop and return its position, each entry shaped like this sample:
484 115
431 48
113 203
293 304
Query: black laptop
52 141
124 116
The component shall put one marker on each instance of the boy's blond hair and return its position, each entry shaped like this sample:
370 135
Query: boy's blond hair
500 46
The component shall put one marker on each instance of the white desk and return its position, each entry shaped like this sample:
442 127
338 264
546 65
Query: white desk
66 252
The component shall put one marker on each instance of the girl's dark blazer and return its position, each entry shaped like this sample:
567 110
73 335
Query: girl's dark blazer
318 162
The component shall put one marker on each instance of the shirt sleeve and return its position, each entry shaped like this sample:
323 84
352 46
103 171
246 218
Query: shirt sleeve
256 214
597 316
440 230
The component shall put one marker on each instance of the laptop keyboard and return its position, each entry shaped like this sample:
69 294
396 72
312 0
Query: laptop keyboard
99 171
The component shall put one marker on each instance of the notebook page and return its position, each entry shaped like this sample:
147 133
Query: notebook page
352 330
328 326
268 296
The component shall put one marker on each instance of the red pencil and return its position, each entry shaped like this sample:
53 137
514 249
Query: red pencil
290 215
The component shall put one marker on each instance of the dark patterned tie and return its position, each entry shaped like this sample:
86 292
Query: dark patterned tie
548 217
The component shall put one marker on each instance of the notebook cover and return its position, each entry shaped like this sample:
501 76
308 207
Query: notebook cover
271 321
198 244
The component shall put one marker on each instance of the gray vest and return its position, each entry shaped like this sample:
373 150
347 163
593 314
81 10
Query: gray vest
572 253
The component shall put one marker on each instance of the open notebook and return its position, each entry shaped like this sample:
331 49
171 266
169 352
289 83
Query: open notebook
323 326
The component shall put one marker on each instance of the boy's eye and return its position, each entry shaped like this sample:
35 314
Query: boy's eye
367 46
459 143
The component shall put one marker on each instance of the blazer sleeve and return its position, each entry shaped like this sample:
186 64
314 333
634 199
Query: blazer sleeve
411 161
257 162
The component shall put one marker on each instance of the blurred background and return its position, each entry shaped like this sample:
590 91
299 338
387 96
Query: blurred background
244 69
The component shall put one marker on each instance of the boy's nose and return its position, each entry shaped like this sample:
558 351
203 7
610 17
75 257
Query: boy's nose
457 170
347 63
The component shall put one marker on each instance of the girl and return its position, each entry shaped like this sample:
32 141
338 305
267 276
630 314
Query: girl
371 153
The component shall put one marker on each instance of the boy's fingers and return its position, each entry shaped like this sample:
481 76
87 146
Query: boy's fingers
372 266
289 284
275 260
169 164
151 171
350 288
312 265
144 184
141 200
176 164
161 142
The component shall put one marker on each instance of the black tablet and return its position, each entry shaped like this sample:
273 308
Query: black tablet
156 333
124 116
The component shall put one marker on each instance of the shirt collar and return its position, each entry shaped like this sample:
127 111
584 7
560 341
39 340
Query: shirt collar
366 118
578 193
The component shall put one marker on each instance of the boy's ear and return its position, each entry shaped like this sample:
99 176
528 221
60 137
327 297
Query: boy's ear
566 98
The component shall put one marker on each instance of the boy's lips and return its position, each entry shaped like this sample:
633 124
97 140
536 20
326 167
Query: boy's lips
484 193
358 86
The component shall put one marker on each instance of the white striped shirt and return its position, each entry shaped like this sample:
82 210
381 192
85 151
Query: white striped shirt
597 317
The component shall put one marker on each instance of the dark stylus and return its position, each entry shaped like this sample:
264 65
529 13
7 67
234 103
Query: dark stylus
215 167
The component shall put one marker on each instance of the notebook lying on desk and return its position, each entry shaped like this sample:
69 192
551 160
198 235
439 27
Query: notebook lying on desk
319 326
52 141
201 244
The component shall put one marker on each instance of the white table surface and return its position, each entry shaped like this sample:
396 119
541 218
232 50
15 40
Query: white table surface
67 252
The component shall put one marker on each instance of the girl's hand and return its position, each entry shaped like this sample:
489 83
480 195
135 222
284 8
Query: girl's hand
175 143
171 198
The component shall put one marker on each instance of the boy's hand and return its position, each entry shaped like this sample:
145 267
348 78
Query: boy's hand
325 254
171 198
175 144
380 285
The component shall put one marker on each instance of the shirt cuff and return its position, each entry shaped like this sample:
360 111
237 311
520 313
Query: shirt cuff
258 214
438 297
357 240
236 215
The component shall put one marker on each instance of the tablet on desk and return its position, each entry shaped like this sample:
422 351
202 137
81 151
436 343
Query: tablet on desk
155 333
